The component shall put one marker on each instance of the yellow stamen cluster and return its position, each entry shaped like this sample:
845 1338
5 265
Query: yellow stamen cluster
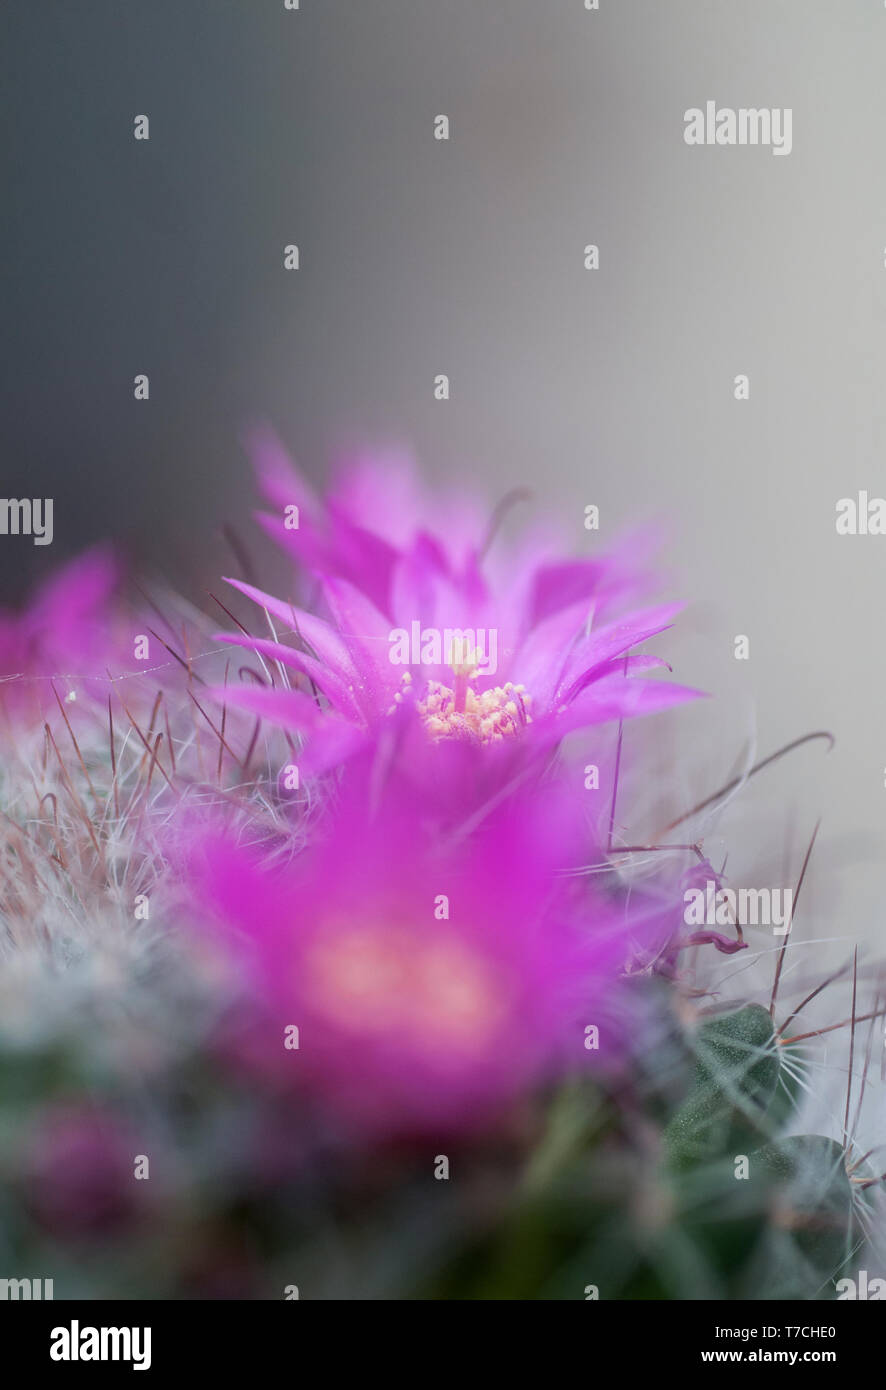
486 717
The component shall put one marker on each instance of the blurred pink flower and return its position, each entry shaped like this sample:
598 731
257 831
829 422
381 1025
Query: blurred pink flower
63 635
429 984
418 553
78 1173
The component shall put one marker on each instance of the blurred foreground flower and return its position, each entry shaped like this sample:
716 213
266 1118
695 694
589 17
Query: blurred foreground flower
64 634
428 984
79 1174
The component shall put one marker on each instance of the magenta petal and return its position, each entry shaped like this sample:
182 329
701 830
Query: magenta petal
416 579
366 633
305 546
621 665
318 634
333 687
613 697
542 656
331 745
617 576
75 594
331 740
557 586
290 709
279 479
609 641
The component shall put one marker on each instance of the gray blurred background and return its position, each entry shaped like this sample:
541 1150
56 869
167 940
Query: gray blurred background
466 257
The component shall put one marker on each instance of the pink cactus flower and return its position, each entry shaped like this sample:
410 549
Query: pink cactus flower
62 637
559 675
418 985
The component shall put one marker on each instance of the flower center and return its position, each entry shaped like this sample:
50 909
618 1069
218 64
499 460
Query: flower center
460 712
484 717
381 980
